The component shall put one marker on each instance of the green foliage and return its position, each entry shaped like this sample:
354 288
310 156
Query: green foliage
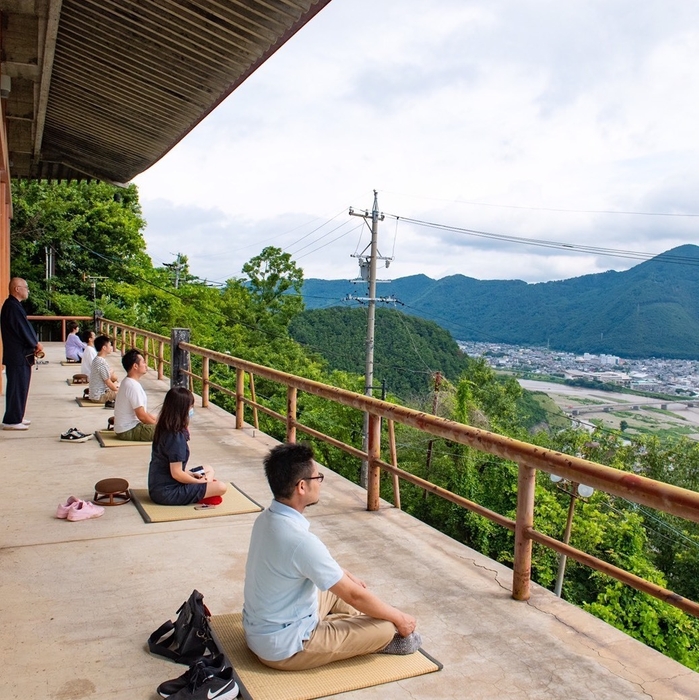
406 354
89 226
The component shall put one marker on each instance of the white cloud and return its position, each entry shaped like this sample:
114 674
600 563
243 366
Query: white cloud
580 105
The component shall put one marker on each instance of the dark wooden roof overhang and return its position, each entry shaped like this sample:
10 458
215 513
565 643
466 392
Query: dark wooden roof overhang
102 89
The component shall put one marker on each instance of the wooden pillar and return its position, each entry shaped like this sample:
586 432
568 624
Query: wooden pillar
522 569
204 381
374 472
180 358
291 414
394 462
239 395
161 359
253 396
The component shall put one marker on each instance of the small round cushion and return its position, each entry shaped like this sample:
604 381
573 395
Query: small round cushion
112 492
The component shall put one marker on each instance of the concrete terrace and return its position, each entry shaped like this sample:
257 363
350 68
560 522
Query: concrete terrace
80 599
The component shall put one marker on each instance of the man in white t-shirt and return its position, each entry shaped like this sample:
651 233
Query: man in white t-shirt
103 382
89 354
131 418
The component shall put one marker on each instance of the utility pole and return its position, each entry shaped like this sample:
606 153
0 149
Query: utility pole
93 281
375 217
176 268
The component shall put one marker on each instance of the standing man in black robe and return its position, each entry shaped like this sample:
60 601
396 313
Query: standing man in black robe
20 344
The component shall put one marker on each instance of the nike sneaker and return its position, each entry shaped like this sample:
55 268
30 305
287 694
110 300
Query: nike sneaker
199 673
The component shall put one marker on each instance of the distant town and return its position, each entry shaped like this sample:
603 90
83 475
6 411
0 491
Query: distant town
657 375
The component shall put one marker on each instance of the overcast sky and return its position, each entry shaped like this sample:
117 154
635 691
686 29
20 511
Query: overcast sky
492 116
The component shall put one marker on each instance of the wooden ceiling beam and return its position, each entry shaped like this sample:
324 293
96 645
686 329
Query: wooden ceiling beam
49 49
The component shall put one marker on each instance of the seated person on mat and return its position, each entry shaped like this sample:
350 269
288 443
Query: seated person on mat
74 345
301 609
169 482
131 418
103 382
89 354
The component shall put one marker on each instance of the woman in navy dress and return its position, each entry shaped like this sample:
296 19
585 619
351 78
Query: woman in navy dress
169 481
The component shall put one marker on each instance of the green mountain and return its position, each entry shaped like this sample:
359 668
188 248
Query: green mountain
649 310
407 350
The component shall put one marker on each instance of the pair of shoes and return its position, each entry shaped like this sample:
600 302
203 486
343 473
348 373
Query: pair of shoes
212 501
206 679
86 394
74 435
15 426
109 404
63 508
26 421
110 423
74 509
402 646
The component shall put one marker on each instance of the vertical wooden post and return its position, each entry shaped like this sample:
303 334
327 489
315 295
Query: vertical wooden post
179 358
204 381
374 471
253 396
161 359
291 414
63 330
239 394
394 462
522 569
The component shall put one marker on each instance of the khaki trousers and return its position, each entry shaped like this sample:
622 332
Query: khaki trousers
143 432
109 395
342 633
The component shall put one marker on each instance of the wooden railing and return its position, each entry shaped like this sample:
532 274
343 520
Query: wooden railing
62 319
529 458
125 337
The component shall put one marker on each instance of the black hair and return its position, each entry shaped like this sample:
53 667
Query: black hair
130 359
72 326
286 465
101 341
174 415
85 335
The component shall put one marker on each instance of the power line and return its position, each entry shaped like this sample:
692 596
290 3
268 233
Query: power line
542 243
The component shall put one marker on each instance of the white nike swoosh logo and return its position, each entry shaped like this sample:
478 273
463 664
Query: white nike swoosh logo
219 691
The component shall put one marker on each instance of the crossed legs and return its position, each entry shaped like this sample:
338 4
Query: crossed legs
342 633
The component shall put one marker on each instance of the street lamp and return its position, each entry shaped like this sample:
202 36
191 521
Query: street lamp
575 491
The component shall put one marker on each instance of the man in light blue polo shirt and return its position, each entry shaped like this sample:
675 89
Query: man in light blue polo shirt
301 609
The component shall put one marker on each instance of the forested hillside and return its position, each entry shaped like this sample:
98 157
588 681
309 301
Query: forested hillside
650 310
407 353
97 231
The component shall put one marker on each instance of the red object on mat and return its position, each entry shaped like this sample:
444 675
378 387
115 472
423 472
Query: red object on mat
212 501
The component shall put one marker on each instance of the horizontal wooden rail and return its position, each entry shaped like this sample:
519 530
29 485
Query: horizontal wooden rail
62 319
689 606
448 495
355 452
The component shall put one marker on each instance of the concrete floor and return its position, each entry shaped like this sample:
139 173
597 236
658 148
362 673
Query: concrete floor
80 599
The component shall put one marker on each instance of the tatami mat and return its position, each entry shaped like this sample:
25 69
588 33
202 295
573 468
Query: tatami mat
107 438
65 363
258 682
235 502
88 404
70 382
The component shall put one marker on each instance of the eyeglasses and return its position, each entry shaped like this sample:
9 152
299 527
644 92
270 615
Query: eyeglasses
320 478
